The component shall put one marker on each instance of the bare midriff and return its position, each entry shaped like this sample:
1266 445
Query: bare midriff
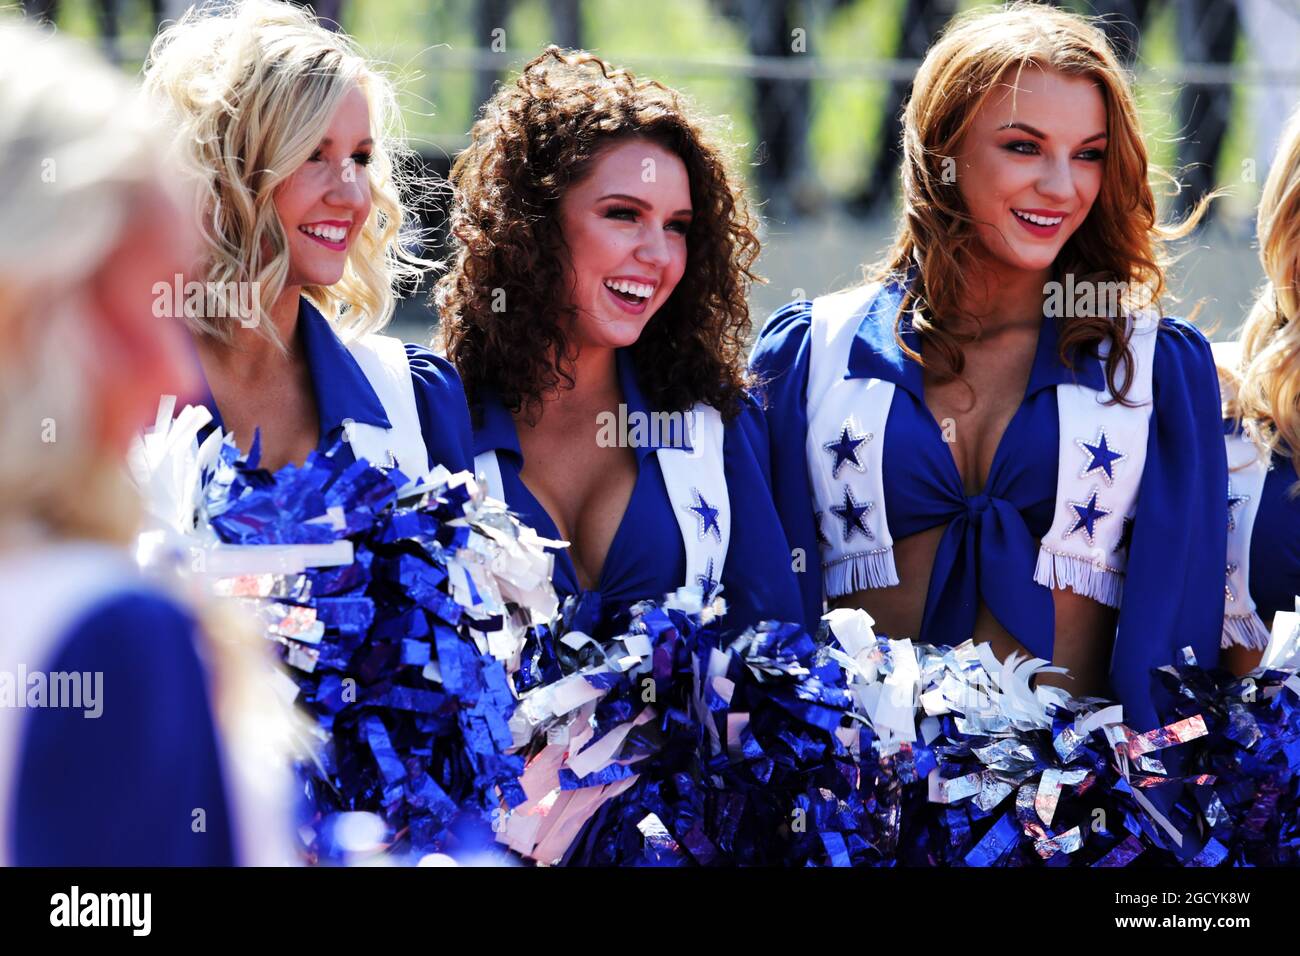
1082 624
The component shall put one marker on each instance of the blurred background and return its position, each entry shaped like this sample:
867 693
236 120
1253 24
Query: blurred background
807 93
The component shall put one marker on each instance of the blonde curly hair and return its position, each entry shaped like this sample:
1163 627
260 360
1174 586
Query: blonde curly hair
249 89
1261 374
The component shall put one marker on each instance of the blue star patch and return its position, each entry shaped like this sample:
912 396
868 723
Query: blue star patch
707 515
1087 514
1101 457
707 582
845 448
852 513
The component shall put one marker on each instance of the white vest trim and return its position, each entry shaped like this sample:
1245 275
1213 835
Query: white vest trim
862 554
383 360
697 490
1247 468
844 450
1079 553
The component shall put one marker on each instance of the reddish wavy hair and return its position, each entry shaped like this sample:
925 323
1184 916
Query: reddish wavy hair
534 140
1120 241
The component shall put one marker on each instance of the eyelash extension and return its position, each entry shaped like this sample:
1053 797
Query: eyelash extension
361 159
627 210
1098 154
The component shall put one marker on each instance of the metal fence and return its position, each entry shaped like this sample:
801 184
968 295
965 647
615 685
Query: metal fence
1221 46
813 89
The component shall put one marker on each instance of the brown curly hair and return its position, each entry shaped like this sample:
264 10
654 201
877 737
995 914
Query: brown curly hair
1121 240
534 140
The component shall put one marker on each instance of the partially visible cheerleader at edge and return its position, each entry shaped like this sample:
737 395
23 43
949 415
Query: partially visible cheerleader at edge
604 254
295 140
153 764
969 465
1260 373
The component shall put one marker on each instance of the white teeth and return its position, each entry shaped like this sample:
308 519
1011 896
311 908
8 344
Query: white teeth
630 288
332 233
1038 220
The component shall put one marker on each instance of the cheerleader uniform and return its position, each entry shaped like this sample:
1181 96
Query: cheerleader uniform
1263 566
701 512
137 776
1263 559
381 397
1121 504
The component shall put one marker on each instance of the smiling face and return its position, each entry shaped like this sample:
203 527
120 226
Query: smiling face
625 226
324 204
1031 166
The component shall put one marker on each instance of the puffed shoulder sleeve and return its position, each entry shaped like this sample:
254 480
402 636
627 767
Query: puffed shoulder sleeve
780 364
444 415
1173 592
752 424
121 780
758 579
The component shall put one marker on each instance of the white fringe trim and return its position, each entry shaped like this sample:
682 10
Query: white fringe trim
1080 575
857 572
1244 630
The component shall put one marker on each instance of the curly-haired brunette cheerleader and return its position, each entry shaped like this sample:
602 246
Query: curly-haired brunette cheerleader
596 313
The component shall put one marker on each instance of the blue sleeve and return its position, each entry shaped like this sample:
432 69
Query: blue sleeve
1173 591
780 361
121 789
758 581
444 414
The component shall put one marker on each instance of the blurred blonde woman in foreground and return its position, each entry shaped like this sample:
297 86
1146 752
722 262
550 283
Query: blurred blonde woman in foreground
117 709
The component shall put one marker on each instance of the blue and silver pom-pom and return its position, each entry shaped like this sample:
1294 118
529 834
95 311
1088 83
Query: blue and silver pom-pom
681 744
400 624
